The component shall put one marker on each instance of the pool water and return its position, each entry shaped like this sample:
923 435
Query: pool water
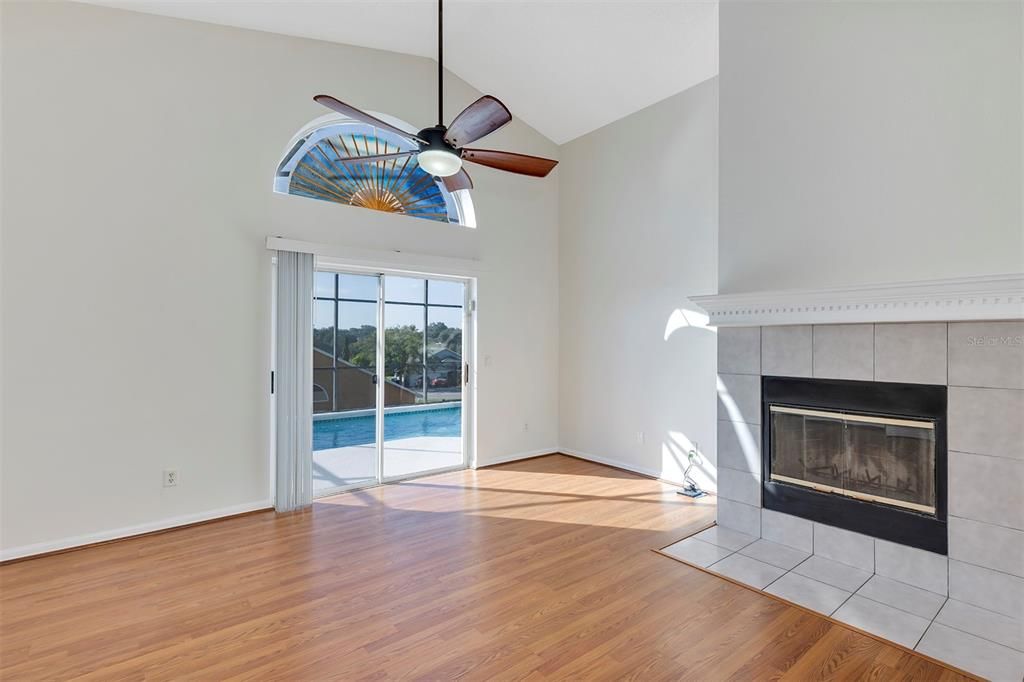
339 433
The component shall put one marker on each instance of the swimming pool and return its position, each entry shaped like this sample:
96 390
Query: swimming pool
445 420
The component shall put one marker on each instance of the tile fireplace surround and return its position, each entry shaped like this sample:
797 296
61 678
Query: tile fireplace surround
967 608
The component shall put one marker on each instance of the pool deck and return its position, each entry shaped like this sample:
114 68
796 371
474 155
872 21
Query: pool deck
356 464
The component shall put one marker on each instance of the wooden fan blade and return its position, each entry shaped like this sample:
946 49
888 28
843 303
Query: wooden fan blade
376 157
460 180
359 115
480 118
507 161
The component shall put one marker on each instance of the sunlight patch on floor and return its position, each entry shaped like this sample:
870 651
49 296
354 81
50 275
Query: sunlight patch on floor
598 495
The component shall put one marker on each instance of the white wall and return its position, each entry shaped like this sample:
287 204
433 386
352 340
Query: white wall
638 234
868 142
138 160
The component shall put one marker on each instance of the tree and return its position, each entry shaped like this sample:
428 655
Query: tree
403 347
442 334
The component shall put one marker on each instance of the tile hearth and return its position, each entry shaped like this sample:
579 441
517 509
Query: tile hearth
979 641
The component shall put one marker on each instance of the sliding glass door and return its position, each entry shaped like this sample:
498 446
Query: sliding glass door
404 419
423 322
345 320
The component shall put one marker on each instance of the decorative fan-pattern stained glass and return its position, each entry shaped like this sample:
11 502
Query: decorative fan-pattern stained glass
314 169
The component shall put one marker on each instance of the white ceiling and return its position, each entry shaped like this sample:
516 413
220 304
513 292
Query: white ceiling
565 67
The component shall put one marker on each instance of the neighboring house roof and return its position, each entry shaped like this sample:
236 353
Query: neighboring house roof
349 365
444 354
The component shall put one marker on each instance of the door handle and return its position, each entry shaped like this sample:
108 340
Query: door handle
465 374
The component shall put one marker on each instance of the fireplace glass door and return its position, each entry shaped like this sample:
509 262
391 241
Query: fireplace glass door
873 458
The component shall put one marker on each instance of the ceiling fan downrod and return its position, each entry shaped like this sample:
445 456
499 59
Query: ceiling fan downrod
440 63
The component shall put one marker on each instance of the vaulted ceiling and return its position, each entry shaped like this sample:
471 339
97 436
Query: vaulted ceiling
565 67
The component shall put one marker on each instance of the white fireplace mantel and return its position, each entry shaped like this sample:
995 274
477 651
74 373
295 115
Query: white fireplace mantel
991 297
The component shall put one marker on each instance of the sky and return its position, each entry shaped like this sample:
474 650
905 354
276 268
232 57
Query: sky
397 290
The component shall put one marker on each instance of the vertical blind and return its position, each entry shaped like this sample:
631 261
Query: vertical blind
294 381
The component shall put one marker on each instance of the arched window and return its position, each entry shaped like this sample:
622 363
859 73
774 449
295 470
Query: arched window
311 168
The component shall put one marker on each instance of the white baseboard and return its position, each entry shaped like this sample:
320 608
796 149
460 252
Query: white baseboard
619 464
597 459
129 531
517 456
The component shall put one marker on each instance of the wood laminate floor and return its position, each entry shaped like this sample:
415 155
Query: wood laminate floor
534 569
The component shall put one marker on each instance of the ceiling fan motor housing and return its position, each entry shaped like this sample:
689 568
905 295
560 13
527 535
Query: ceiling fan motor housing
434 137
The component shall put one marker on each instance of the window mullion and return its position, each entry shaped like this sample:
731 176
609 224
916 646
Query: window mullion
426 297
334 350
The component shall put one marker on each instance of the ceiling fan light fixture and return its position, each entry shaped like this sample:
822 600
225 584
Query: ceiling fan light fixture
439 162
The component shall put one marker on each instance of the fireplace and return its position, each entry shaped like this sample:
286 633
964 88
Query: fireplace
866 456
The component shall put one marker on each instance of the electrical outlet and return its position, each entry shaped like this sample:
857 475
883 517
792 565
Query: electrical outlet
640 437
526 426
170 478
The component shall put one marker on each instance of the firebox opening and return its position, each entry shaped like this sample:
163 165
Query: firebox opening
874 458
861 455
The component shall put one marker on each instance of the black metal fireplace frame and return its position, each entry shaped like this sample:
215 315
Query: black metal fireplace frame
904 526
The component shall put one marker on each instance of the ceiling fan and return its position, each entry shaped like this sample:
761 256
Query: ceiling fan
442 149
